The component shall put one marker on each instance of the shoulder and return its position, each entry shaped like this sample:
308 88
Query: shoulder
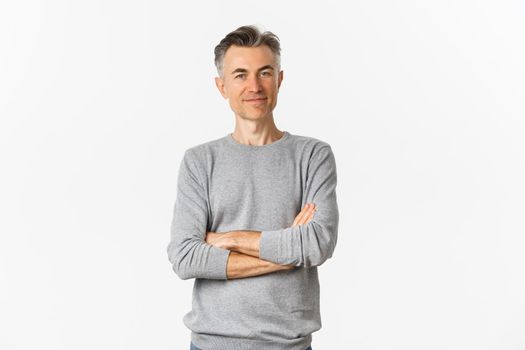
311 145
201 151
200 156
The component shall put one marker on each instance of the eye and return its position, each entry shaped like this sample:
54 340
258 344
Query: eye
267 73
238 75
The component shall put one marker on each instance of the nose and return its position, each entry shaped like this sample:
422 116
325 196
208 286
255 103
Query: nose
254 85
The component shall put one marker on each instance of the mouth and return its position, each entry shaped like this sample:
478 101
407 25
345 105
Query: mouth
255 100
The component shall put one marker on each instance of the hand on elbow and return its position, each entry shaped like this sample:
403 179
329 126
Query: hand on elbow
220 240
306 214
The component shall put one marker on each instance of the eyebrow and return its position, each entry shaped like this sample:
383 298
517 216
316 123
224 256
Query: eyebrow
242 70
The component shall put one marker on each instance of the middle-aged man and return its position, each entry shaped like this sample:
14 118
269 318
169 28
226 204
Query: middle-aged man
255 214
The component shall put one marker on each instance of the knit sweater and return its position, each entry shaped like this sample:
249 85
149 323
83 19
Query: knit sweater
225 186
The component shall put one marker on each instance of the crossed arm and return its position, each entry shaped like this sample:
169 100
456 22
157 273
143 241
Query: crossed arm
194 253
244 260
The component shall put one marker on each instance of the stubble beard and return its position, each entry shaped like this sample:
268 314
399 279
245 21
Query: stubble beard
248 115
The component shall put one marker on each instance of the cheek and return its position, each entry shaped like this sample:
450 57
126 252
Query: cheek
272 89
236 103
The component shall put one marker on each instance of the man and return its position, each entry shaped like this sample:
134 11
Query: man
255 214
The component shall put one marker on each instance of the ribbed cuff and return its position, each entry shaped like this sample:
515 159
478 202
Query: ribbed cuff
269 245
218 263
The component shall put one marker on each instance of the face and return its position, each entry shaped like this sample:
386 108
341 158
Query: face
250 81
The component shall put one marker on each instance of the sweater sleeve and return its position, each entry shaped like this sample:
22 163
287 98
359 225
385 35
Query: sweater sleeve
313 243
189 254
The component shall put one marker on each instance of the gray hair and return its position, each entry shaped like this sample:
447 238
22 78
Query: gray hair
246 36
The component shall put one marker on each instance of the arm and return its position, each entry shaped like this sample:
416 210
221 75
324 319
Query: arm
247 242
241 265
241 241
311 244
189 255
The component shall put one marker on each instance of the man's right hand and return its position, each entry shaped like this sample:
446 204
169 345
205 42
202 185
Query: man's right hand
302 218
305 215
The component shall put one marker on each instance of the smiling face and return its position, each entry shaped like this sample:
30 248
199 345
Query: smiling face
251 81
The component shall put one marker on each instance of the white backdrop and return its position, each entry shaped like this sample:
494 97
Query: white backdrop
422 102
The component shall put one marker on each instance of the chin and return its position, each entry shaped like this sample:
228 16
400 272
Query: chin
252 116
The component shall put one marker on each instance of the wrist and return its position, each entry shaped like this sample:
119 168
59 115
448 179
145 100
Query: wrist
231 240
242 241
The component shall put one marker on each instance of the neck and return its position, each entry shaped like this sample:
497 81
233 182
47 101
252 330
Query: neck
256 134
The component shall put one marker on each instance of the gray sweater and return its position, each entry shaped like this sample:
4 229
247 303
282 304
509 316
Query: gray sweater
225 186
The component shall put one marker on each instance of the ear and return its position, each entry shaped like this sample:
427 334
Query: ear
280 79
220 85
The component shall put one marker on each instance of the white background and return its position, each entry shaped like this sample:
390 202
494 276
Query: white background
422 102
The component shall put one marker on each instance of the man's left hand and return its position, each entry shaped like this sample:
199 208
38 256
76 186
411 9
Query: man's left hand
220 240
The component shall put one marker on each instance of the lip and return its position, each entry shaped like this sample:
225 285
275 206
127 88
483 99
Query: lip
256 100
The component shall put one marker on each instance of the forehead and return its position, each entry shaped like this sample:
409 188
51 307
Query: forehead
246 57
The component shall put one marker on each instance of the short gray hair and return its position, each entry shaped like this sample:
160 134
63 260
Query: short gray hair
247 36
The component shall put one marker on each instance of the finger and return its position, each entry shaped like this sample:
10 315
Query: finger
296 220
310 214
305 214
300 215
210 237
